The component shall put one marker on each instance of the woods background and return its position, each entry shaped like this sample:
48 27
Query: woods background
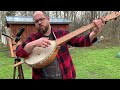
111 32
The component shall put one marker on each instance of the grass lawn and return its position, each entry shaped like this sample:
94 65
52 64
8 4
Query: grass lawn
7 66
90 63
96 63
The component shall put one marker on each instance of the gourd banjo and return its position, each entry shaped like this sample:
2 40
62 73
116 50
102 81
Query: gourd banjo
40 57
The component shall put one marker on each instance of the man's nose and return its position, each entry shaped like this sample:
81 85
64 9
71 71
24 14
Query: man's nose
39 22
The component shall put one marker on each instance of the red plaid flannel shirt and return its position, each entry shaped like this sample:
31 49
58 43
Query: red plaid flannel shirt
63 56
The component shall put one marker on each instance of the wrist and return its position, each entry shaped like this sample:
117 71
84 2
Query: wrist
33 44
29 47
95 32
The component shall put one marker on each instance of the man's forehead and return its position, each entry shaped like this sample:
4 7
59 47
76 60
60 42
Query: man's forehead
38 13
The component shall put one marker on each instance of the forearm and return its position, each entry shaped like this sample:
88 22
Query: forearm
42 42
29 47
96 30
92 35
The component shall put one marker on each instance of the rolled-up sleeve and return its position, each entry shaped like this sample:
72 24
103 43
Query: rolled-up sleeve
82 41
87 40
20 52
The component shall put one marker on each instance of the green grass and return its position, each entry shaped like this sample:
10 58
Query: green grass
7 66
90 63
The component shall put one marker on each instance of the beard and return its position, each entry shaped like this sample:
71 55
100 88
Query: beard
43 30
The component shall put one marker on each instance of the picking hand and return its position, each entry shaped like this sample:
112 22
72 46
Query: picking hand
42 42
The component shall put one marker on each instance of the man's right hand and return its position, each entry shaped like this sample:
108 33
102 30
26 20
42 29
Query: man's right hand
42 42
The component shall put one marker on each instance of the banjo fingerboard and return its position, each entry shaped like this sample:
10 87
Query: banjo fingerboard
85 28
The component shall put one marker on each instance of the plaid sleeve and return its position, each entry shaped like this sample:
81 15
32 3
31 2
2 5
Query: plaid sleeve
87 40
20 52
82 41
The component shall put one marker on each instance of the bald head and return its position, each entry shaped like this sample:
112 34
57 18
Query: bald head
42 23
37 13
41 13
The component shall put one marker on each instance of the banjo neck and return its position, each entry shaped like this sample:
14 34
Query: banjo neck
69 36
37 54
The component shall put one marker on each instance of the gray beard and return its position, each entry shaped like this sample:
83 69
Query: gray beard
43 31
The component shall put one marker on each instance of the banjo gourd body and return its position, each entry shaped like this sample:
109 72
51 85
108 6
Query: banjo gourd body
41 57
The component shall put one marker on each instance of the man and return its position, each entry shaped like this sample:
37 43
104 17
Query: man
62 67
